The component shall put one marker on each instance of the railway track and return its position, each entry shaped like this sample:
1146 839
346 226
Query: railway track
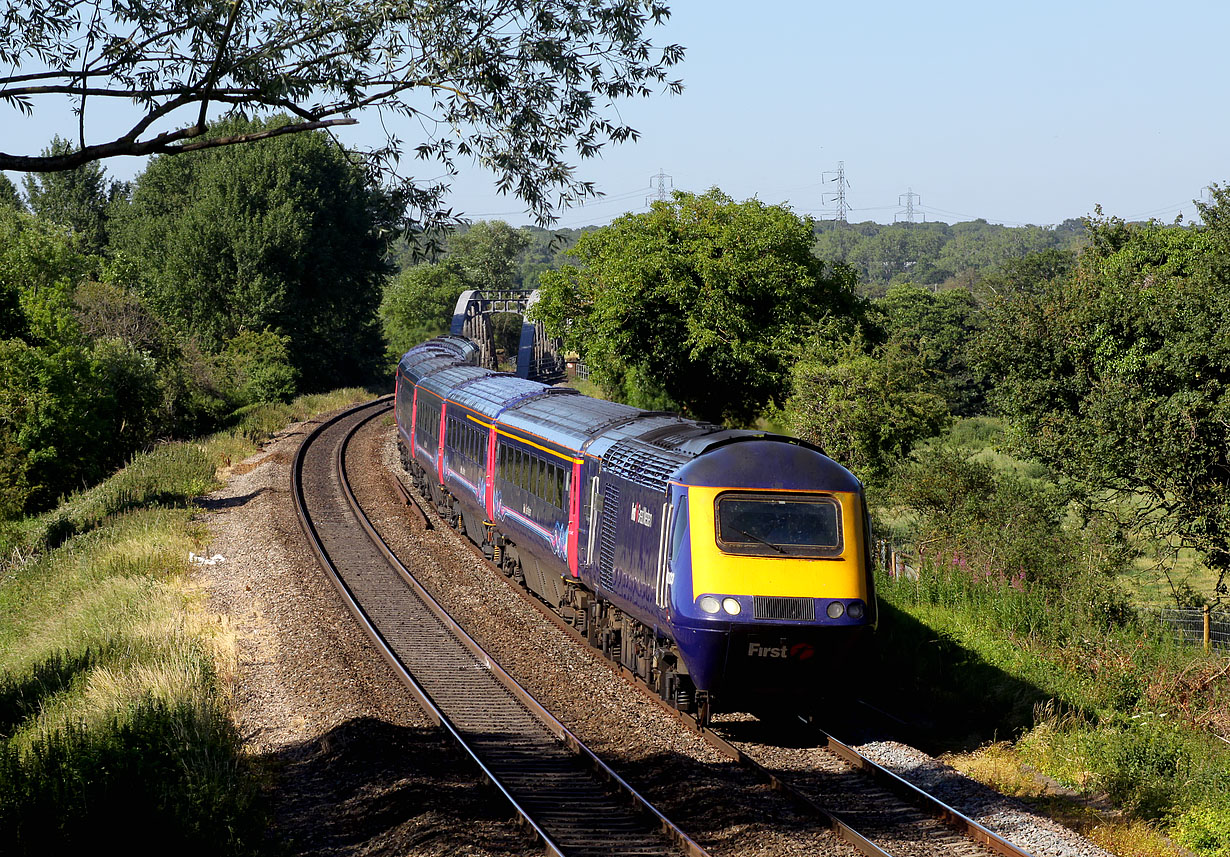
571 800
864 803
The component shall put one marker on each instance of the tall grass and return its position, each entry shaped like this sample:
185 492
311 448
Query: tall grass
1015 625
1121 709
115 727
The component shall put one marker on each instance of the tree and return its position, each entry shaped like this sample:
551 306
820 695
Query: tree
76 199
489 253
864 405
936 327
418 304
9 197
1119 376
701 300
285 235
512 84
71 407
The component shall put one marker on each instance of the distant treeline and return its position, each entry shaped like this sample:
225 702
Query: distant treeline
928 254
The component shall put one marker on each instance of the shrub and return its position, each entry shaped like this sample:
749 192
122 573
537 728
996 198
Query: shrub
255 367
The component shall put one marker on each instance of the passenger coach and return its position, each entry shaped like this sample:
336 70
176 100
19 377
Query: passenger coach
722 567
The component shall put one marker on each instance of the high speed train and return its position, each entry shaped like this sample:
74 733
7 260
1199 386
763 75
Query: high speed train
729 569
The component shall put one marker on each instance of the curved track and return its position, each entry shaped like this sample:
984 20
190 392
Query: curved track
878 813
570 798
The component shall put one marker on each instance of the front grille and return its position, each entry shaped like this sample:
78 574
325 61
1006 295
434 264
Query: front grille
776 607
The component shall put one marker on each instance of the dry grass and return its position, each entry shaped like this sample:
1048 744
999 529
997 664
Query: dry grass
1004 767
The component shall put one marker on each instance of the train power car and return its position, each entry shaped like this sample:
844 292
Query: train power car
728 569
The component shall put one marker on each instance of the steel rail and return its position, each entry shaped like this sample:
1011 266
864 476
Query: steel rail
668 828
900 787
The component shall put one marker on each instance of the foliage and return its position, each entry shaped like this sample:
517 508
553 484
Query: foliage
936 327
488 253
512 85
418 304
936 253
1118 376
39 267
1011 531
256 368
9 197
70 415
73 404
283 235
1205 828
706 296
76 199
865 406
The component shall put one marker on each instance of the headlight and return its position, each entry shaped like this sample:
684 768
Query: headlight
709 604
855 610
835 609
731 606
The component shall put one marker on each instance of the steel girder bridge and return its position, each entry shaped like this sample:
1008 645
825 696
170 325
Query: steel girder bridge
538 355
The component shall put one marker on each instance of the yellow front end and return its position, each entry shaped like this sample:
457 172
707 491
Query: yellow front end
716 571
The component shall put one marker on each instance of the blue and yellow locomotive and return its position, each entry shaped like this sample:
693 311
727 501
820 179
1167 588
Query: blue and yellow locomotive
723 567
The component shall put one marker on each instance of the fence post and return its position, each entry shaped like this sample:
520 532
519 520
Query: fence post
1207 627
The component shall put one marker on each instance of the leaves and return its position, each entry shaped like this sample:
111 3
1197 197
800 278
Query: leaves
516 84
705 296
1117 375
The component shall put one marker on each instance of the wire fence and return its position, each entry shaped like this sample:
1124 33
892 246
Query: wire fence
1201 626
1197 625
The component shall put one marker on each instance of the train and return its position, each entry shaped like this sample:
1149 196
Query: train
728 569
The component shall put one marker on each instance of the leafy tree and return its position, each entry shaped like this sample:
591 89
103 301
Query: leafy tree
935 253
489 253
1118 375
511 84
865 406
1027 273
76 199
256 368
69 415
705 296
40 265
1004 529
936 326
284 235
418 304
9 197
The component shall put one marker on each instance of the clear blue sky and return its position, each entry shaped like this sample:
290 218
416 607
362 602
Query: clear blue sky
1014 112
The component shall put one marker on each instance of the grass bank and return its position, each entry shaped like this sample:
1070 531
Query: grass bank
115 724
1118 713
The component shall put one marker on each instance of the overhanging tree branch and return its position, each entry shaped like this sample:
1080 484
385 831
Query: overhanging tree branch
520 83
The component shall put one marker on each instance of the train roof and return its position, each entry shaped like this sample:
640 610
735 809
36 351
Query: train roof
568 421
779 463
444 382
491 395
646 447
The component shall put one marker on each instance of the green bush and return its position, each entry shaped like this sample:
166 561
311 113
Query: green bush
1142 765
255 367
1205 828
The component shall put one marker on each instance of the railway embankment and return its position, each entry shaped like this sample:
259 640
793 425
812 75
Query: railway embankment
176 668
116 678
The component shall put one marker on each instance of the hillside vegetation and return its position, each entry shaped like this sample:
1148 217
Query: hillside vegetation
1040 416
